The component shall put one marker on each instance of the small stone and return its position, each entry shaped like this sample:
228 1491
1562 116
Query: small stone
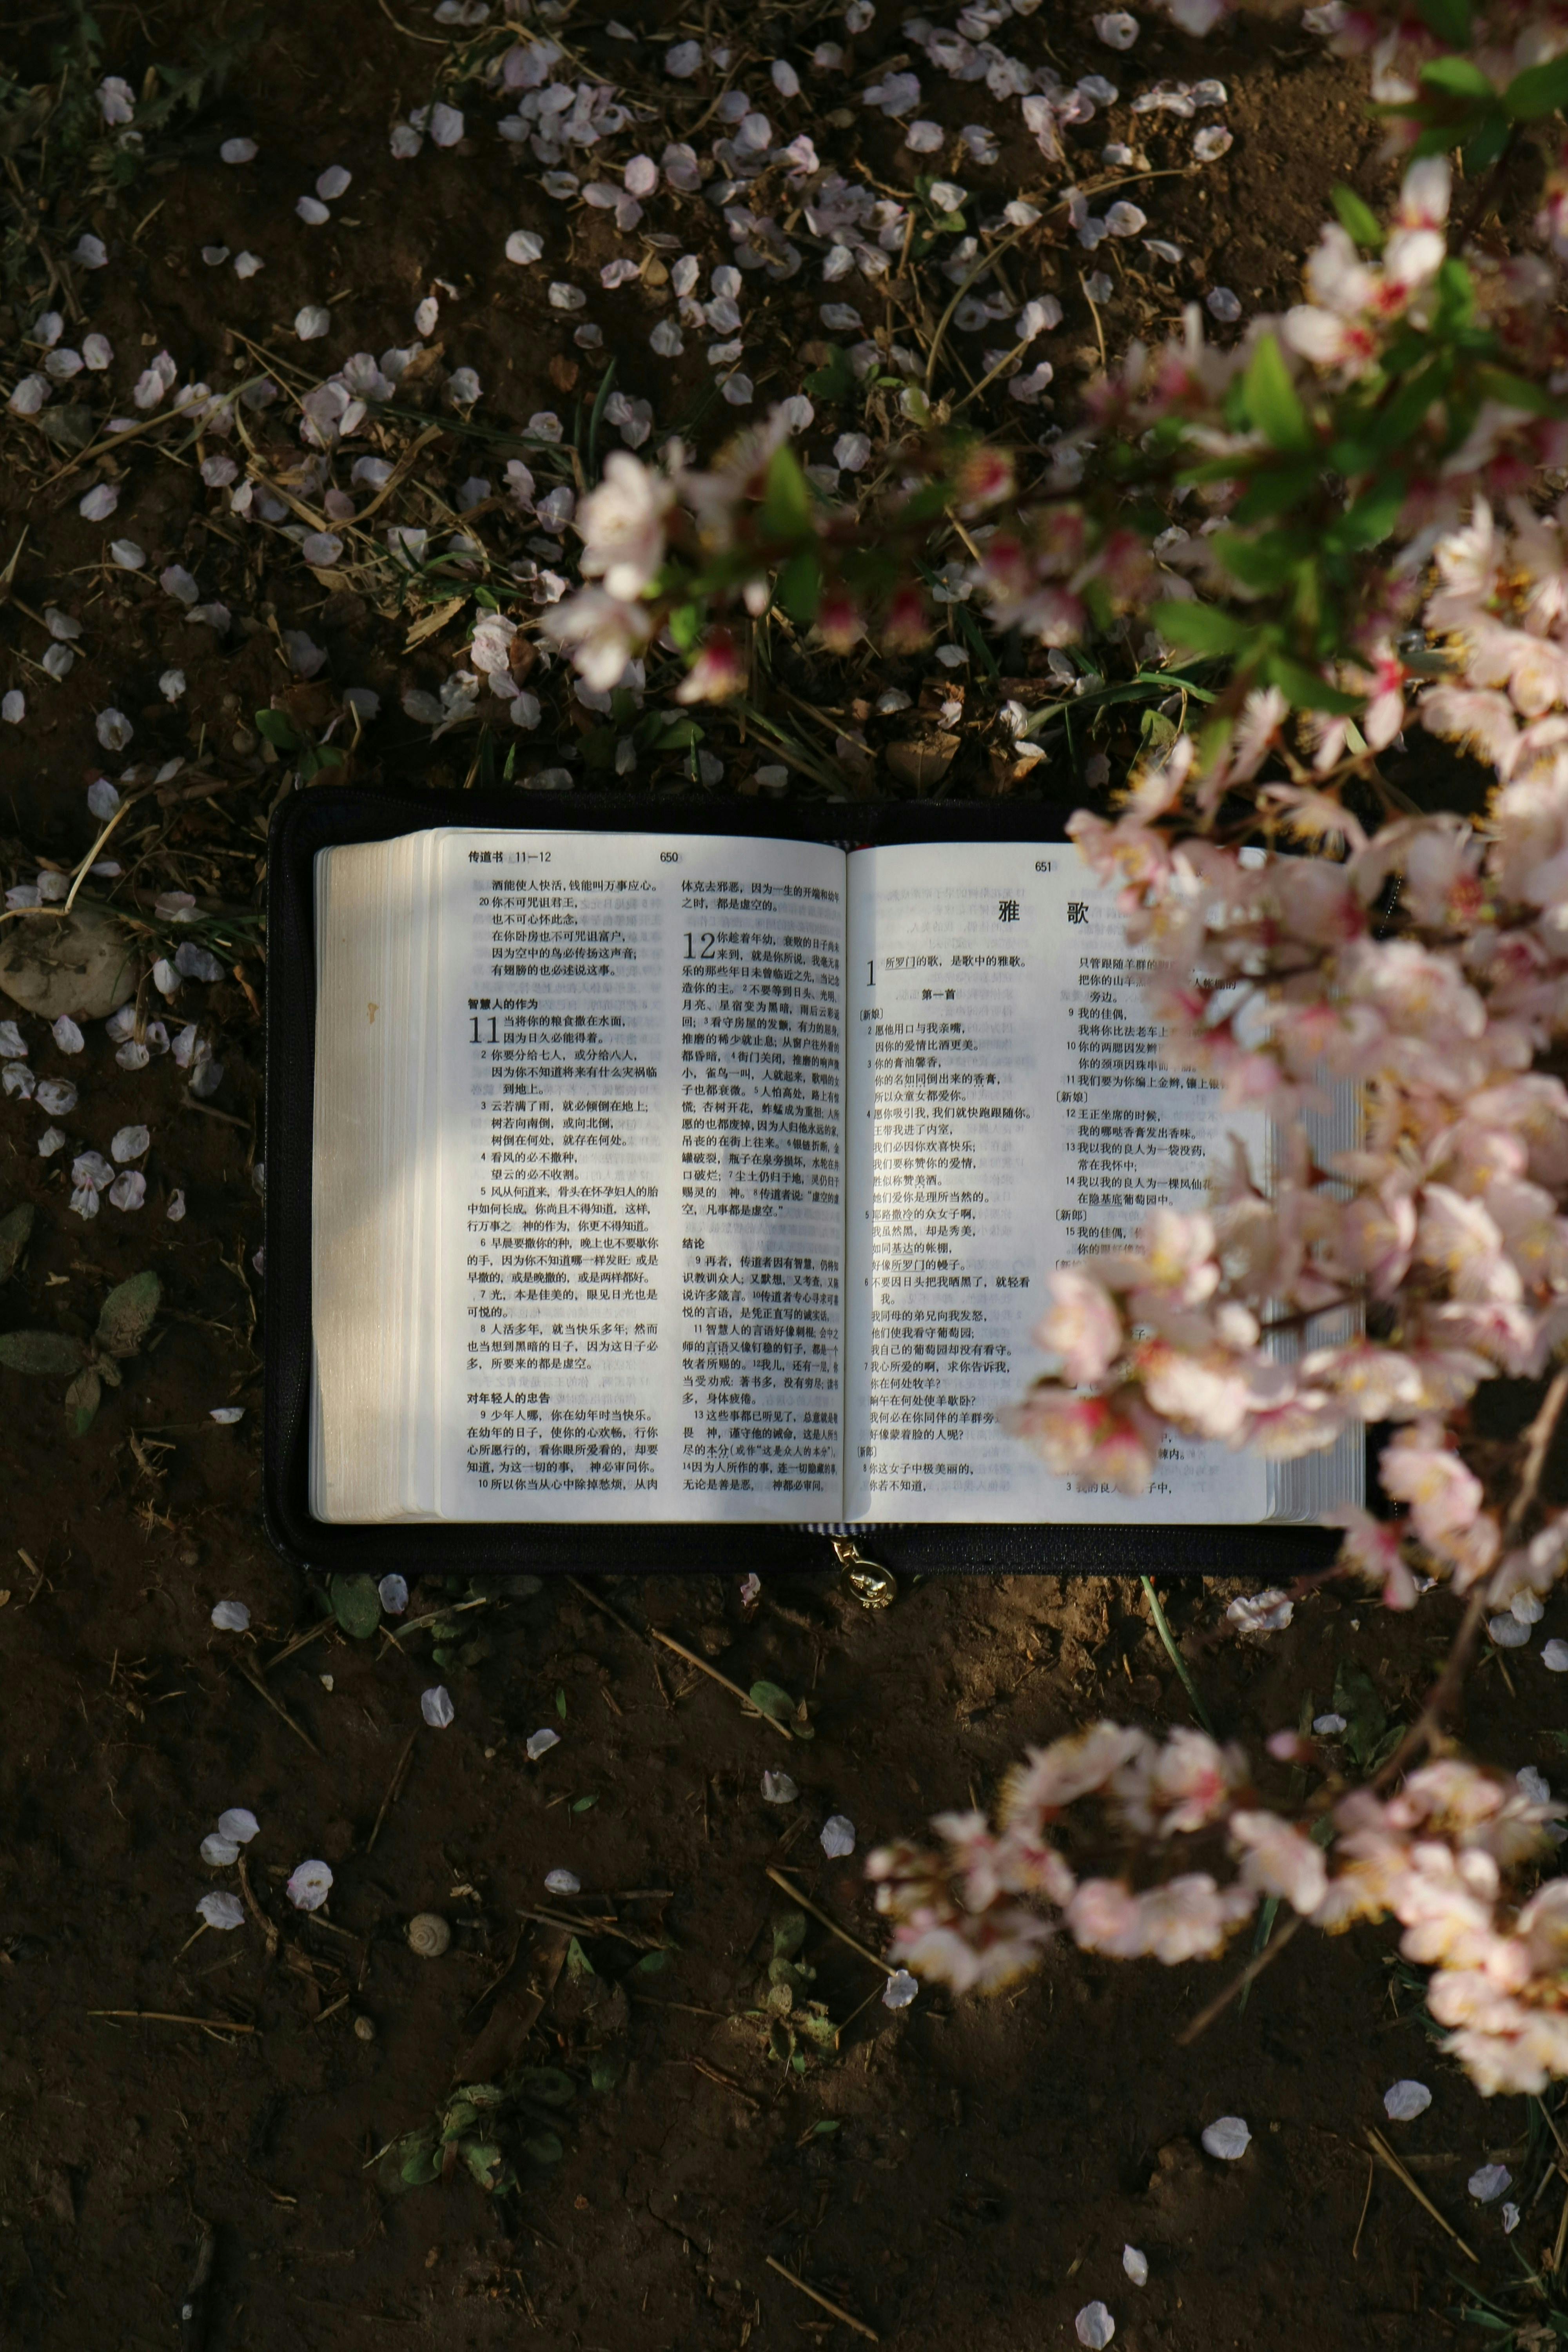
364 2027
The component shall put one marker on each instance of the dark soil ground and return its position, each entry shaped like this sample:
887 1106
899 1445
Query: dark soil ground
953 2174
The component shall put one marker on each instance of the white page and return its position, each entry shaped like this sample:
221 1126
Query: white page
641 1134
1008 1112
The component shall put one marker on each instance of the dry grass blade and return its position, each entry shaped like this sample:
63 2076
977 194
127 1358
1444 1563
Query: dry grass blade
300 1640
1385 2155
831 1924
393 1789
278 1709
728 2082
837 2309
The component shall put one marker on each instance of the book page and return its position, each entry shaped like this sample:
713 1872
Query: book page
1008 1112
641 1185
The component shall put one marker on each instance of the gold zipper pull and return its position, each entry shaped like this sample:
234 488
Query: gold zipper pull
873 1586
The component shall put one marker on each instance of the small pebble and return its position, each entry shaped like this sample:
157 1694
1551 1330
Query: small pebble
364 2027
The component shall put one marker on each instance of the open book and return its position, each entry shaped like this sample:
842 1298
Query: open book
686 1177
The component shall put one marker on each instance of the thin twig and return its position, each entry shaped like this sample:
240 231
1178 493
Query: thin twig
255 1909
278 1709
714 1676
300 1640
1385 2155
1365 2203
714 2075
837 2309
831 1925
1255 1967
394 1788
171 2017
1162 1627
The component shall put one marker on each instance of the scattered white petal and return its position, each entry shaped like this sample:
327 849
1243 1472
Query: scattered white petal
69 1038
311 321
393 1592
1536 1786
1222 305
12 1044
539 1743
176 1208
227 1414
130 1143
14 709
56 1095
737 389
238 151
1135 2263
333 183
98 352
436 1706
837 1836
221 1910
239 1823
1528 1607
1554 1657
50 1141
1405 2100
231 1616
100 502
114 728
1328 1727
562 1881
312 212
127 554
90 252
309 1885
245 265
524 246
900 1989
1510 2220
1117 29
1094 2326
683 60
751 1590
171 684
1210 144
1228 2136
1261 1612
445 125
219 1852
778 1788
1508 1633
1488 2182
322 549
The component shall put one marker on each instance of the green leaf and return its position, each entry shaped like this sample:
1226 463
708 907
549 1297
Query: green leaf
1485 144
1357 218
578 1964
1459 78
686 626
652 1963
1538 90
605 2071
43 1355
543 2148
1272 400
835 379
550 2087
1368 521
561 1704
481 2095
83 1400
1266 562
1201 627
422 2163
785 512
1306 689
127 1313
769 1700
16 1233
582 1804
823 2125
1516 392
484 2160
798 590
789 1934
1275 489
1451 20
356 1604
278 729
460 2118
